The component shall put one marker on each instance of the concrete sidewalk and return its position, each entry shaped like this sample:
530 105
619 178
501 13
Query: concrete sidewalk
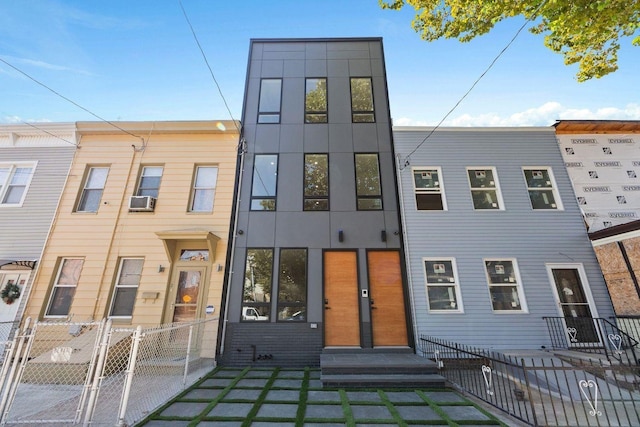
295 397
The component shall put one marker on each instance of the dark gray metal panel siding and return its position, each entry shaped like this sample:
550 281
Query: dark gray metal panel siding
534 238
23 230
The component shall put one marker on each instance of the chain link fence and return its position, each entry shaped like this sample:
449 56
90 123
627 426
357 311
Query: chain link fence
93 373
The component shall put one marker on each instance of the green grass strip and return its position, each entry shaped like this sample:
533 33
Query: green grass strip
304 394
256 407
391 408
346 409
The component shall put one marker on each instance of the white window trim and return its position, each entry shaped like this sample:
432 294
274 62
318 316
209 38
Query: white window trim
554 188
521 296
116 287
85 181
142 175
455 284
586 288
56 285
194 188
12 166
496 187
423 191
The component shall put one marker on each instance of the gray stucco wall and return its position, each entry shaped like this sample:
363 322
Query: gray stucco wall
533 237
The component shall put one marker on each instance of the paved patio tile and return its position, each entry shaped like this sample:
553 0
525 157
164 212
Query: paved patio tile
291 374
363 396
242 394
221 424
271 424
315 384
314 375
327 425
256 382
228 373
167 423
231 410
216 382
403 396
203 393
287 383
259 374
324 411
444 396
459 413
184 409
277 410
362 412
323 396
290 395
417 413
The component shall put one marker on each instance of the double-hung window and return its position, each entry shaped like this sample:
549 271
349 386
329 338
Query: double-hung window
14 181
265 180
362 110
92 189
429 190
485 191
64 287
292 285
443 288
204 189
505 288
270 101
316 182
149 184
368 188
258 282
126 288
315 101
541 188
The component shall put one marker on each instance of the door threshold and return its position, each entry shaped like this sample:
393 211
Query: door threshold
338 347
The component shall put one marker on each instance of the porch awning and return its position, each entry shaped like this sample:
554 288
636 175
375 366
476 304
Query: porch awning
17 264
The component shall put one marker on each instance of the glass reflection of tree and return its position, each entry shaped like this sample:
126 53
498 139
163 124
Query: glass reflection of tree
293 275
316 101
257 282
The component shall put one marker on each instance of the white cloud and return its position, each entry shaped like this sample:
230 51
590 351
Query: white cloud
45 65
544 115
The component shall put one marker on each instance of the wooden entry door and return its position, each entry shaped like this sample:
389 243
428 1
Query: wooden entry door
186 294
388 318
341 308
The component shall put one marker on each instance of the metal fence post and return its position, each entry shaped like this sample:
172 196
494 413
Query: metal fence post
186 363
11 387
137 337
97 375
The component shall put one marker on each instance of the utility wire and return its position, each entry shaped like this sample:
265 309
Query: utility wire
533 15
69 100
45 131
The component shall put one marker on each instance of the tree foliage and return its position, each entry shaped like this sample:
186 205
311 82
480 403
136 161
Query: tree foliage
586 32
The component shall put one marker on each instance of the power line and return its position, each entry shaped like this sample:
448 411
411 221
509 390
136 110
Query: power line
45 131
69 100
533 15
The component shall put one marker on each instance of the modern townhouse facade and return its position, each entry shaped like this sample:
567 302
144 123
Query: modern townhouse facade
317 259
603 161
34 163
494 237
141 232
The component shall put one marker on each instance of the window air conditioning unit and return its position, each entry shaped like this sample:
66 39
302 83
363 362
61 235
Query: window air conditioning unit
142 204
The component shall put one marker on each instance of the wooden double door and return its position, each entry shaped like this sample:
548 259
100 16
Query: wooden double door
342 296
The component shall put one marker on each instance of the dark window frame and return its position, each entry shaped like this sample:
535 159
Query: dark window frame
364 113
323 115
301 305
253 304
311 198
264 115
363 198
261 179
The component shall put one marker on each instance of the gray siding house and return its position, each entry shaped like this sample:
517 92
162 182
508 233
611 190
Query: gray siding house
316 260
494 237
34 164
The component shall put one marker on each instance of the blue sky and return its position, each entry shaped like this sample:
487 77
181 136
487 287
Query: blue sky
138 60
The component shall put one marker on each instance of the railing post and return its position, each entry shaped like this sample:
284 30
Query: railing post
186 363
11 388
137 337
97 375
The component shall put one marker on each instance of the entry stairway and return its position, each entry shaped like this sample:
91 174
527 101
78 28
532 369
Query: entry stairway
360 368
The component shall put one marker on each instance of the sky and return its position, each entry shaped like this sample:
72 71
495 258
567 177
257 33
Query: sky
138 60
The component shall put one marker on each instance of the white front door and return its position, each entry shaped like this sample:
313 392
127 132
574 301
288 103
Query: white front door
8 306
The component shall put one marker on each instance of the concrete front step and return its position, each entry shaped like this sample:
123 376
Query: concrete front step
383 380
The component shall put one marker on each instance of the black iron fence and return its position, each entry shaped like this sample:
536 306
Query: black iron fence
615 338
540 389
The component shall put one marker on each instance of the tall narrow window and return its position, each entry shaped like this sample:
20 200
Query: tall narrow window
542 191
316 182
92 189
429 190
368 189
265 179
149 184
443 289
124 295
14 180
256 295
362 100
64 287
204 188
292 285
270 98
484 188
504 285
315 101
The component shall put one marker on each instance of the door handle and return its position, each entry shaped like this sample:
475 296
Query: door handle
372 306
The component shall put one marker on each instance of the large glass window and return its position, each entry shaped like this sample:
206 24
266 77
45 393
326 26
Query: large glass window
316 182
541 187
64 287
256 293
124 295
504 285
484 188
92 189
149 184
315 101
204 188
292 285
265 179
270 97
14 180
443 289
368 188
362 100
427 183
